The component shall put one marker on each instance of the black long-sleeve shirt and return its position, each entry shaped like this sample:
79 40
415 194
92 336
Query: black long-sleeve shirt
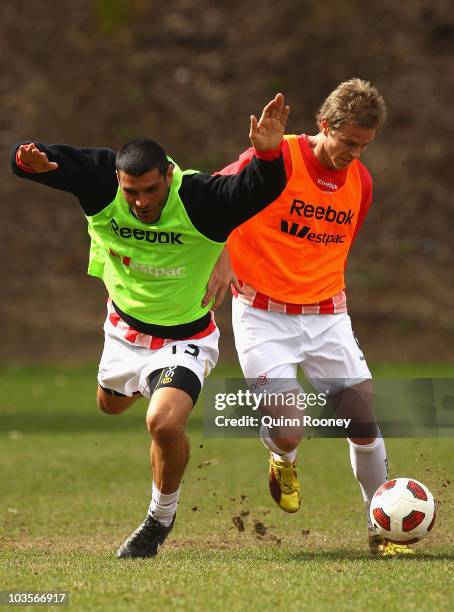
214 204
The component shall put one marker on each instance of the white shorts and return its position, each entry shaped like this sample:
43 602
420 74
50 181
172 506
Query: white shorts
271 345
128 360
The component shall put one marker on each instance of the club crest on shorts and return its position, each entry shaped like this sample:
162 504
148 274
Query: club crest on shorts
168 375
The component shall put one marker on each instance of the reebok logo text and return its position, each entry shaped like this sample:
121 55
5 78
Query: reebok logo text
328 184
147 235
300 208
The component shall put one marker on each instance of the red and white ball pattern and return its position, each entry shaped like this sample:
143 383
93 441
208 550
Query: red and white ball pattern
403 510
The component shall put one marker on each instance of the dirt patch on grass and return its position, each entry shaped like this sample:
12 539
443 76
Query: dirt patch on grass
255 534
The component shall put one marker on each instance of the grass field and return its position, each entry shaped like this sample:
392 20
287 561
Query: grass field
74 482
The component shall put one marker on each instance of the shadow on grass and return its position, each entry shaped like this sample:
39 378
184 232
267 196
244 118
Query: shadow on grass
354 555
269 555
203 554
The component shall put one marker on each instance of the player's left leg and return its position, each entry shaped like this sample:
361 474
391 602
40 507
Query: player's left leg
173 391
169 450
166 419
367 447
334 362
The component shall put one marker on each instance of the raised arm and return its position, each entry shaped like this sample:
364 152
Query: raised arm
30 158
217 204
87 173
267 133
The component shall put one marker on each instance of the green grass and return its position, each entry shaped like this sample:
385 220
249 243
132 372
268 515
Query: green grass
74 482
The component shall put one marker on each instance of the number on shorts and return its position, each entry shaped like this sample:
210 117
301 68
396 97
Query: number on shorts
194 352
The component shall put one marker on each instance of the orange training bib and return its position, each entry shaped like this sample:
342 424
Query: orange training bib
295 249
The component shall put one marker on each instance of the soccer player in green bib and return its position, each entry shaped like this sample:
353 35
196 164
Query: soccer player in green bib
156 233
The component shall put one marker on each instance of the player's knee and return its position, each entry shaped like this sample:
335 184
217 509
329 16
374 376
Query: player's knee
363 441
162 428
288 441
106 406
363 433
291 442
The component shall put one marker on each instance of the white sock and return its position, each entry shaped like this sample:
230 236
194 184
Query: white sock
370 468
163 505
277 453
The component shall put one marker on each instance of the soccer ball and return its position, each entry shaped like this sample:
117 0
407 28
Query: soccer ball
403 510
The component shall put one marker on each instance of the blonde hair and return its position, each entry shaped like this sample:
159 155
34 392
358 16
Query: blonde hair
353 102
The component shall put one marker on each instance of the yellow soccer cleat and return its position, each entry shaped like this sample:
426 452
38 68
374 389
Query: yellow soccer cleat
381 547
392 549
284 485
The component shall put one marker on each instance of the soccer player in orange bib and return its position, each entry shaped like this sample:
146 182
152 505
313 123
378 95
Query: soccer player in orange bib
289 306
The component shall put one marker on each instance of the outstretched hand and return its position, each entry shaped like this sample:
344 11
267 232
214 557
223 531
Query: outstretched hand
36 160
266 134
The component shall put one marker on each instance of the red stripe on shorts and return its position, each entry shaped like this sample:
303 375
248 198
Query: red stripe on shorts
156 343
152 342
294 309
327 306
261 301
114 318
333 305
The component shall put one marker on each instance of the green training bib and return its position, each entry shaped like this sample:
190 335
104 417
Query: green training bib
155 273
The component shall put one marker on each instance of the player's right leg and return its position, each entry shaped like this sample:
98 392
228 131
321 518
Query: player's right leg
334 363
268 354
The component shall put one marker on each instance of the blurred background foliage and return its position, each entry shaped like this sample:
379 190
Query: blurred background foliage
100 72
